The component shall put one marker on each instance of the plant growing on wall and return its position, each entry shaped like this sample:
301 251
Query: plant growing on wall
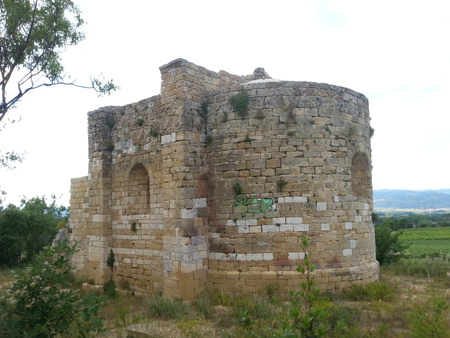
224 117
154 133
110 261
110 122
208 140
259 115
140 122
204 109
110 145
247 138
237 189
281 183
353 129
239 102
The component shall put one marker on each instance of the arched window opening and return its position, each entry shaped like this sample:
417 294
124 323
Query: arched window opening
138 190
361 176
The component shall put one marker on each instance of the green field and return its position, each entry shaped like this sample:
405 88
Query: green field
427 241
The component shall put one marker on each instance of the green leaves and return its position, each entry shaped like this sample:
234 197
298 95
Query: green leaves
25 230
389 249
239 102
33 34
46 305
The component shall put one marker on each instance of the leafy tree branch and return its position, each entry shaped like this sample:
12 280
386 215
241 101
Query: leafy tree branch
33 34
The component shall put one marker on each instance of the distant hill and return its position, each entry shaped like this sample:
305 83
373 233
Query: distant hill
411 199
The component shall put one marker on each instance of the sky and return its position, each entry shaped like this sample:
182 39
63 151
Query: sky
394 52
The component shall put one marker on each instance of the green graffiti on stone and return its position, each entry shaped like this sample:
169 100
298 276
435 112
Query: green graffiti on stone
253 205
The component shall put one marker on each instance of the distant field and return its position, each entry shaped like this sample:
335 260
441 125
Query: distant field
427 241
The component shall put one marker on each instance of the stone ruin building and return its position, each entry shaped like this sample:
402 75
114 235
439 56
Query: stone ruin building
212 183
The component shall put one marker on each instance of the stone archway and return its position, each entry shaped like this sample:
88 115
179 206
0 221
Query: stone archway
138 191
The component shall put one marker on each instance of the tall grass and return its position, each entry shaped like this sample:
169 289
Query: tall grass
430 267
166 308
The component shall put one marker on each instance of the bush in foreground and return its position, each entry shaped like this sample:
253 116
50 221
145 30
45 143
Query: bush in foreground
42 302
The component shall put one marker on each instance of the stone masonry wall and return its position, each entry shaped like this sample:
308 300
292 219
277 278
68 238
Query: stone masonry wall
292 155
159 192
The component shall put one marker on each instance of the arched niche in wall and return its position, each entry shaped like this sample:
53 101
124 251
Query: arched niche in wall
138 190
361 176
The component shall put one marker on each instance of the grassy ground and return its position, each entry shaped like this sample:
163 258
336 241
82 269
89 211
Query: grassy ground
427 241
411 300
412 295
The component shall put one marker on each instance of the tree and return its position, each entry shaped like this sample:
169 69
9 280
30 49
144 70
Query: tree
26 230
33 34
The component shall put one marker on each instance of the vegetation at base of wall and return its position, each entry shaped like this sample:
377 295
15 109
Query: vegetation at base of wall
110 289
364 311
26 229
389 249
43 303
370 292
166 308
239 102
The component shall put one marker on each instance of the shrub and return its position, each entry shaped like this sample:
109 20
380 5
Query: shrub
153 133
110 289
239 102
388 246
43 304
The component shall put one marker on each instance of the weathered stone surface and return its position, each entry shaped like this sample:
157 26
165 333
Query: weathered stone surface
189 194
